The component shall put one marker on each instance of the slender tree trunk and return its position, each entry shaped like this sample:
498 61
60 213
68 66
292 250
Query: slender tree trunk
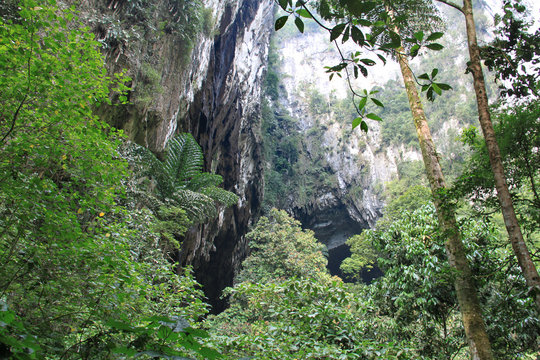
510 220
469 305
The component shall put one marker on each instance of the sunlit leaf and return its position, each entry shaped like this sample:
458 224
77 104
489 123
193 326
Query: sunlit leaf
373 116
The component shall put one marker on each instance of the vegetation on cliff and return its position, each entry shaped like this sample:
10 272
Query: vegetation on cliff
91 224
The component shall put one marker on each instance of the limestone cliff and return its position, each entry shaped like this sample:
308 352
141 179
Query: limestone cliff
196 67
339 174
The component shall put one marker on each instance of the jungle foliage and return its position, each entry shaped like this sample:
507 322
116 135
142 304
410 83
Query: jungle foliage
84 271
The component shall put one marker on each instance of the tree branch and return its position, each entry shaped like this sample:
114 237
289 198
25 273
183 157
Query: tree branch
451 4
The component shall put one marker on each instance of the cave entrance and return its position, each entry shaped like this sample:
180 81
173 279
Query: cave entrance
333 227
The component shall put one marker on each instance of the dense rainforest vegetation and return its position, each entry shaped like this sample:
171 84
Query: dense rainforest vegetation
90 222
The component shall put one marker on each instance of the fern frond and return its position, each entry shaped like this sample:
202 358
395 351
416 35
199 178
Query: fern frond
184 159
148 165
221 196
198 206
204 180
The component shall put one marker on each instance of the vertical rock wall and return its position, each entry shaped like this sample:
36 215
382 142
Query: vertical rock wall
225 117
207 83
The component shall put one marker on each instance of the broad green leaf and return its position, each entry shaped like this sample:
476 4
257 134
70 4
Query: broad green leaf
357 36
430 95
373 116
283 4
434 36
362 103
377 102
304 13
363 70
345 35
124 350
359 8
437 89
414 50
396 40
299 24
324 9
444 86
364 126
419 35
336 31
424 76
356 122
368 62
119 325
209 353
364 22
163 332
280 22
434 73
435 46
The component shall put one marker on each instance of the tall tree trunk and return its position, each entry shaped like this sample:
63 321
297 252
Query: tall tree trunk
510 220
469 305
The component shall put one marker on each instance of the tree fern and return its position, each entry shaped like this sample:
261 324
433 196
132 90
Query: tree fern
179 180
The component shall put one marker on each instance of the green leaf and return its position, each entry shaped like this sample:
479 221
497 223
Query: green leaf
444 86
424 76
362 103
364 22
368 62
324 9
299 24
345 35
414 50
364 126
280 22
336 31
430 95
435 46
419 35
359 8
363 70
377 102
383 59
304 13
283 4
437 89
119 325
373 116
396 40
209 353
357 36
163 332
356 122
434 73
434 36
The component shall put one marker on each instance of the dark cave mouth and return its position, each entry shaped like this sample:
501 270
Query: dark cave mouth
335 258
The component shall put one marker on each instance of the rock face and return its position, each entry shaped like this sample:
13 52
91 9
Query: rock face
224 115
359 164
197 70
